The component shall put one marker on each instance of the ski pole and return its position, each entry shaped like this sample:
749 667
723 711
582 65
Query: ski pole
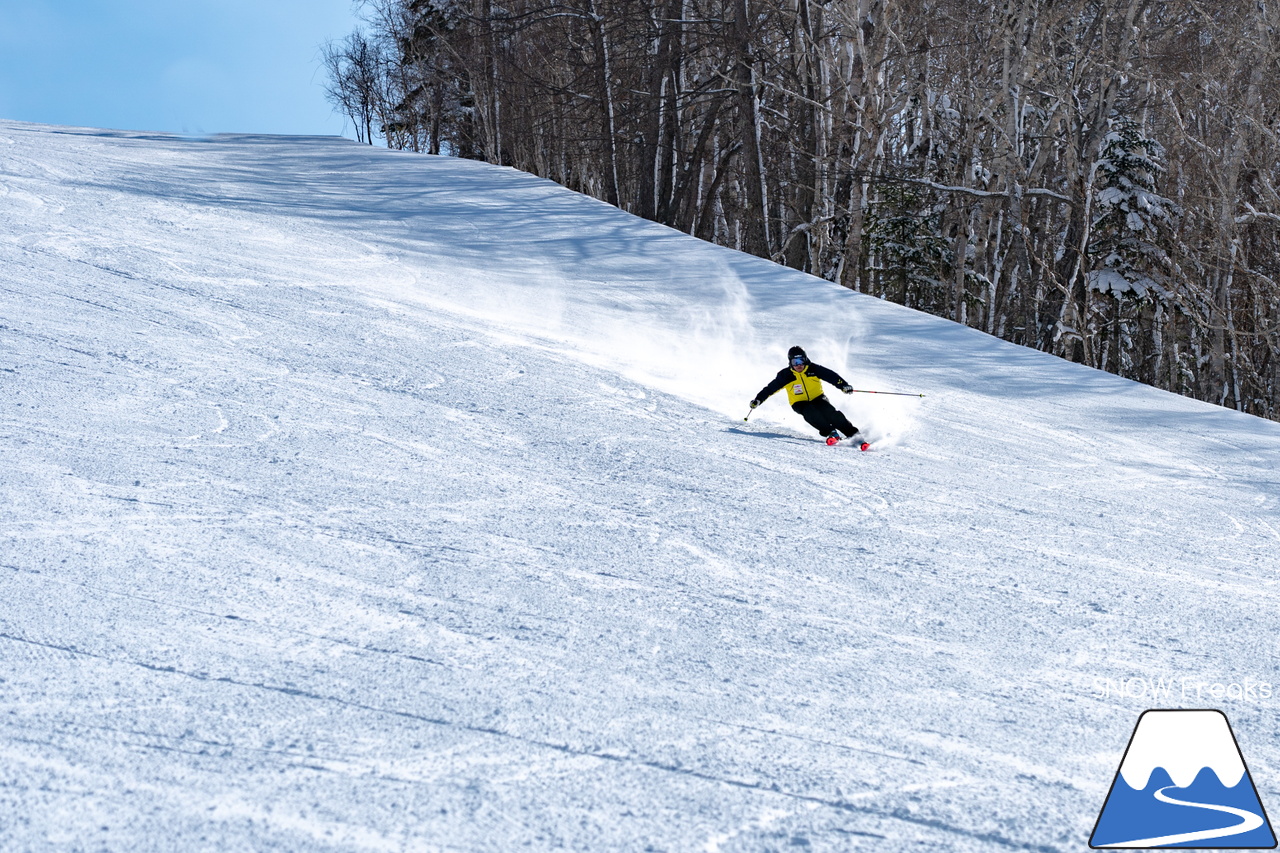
894 393
748 417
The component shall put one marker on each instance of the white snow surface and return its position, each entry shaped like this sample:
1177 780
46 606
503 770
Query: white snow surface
364 500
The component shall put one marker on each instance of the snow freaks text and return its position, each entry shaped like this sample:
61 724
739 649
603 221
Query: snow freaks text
1173 687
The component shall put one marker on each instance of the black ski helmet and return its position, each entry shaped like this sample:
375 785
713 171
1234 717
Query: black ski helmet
796 351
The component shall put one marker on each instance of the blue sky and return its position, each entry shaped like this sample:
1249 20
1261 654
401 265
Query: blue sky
187 66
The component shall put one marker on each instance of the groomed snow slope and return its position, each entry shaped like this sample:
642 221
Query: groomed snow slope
358 500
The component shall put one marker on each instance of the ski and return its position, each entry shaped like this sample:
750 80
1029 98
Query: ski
834 439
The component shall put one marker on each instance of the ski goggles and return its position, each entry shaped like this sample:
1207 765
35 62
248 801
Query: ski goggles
799 361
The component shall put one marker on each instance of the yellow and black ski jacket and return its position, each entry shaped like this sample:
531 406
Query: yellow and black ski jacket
801 387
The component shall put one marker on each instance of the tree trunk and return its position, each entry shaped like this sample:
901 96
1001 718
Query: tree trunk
754 216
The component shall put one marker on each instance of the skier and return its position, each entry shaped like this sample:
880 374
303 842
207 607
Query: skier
803 381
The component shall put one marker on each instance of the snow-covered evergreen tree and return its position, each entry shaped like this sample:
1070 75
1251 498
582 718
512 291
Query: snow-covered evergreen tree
1128 263
1129 215
909 254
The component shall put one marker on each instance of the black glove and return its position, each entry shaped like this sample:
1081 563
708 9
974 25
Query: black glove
755 403
847 388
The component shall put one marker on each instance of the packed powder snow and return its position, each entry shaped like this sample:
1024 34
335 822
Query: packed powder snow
361 500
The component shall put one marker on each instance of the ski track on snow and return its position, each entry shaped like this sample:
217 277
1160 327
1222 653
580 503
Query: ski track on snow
362 500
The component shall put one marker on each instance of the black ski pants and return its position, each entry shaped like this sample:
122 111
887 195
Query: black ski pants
824 417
